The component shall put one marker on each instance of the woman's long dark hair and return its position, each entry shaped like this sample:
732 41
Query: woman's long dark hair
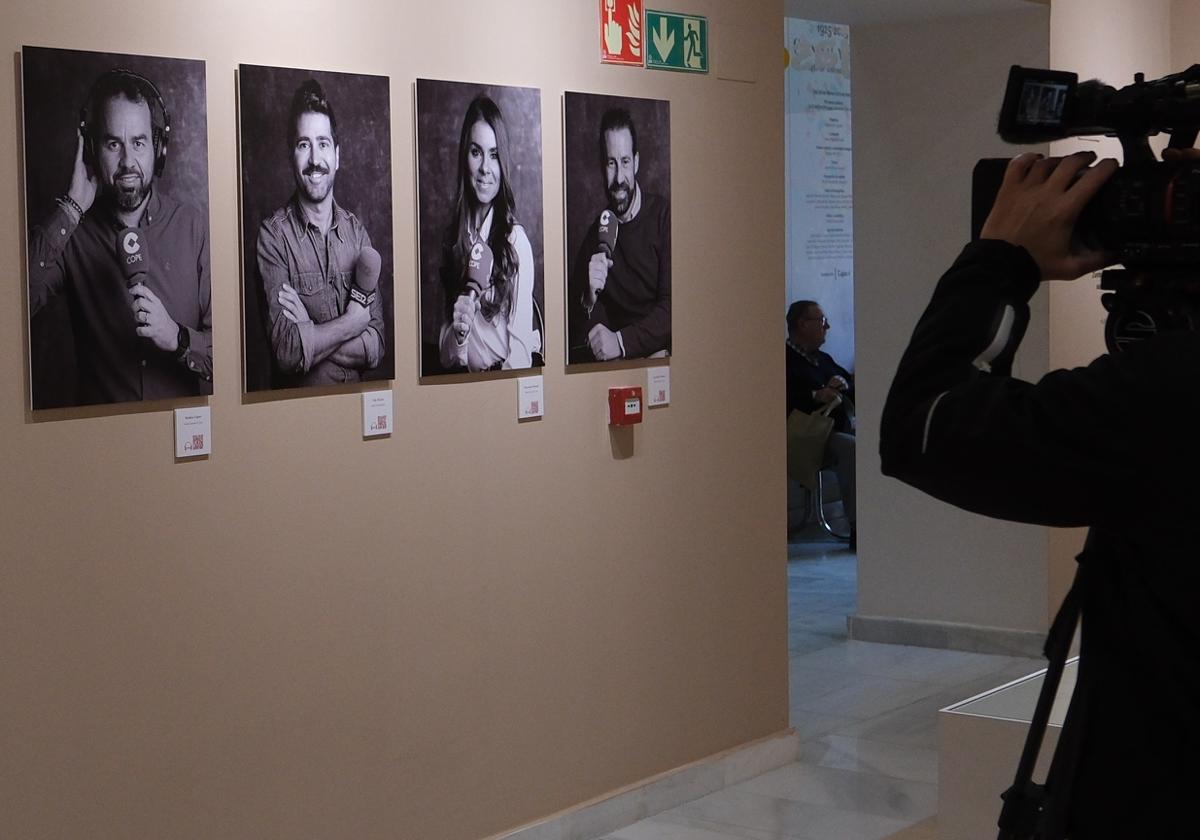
456 246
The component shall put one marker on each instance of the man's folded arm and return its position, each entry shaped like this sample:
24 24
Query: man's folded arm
287 345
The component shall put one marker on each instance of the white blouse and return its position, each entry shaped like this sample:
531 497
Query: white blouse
511 339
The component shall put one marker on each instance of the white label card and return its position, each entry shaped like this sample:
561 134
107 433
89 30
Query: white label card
376 413
658 386
531 400
193 432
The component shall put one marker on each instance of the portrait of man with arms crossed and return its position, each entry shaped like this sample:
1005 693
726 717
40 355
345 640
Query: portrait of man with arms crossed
317 270
130 261
619 297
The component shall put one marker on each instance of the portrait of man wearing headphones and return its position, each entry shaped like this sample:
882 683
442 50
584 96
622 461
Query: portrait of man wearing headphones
132 261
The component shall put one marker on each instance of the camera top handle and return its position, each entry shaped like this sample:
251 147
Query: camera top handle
1044 105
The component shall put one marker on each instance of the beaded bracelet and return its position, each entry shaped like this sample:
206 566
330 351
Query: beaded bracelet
67 200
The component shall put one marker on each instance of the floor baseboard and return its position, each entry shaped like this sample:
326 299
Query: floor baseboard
947 635
627 805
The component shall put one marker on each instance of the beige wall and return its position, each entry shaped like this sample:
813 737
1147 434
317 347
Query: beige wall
1109 40
926 97
1185 34
461 628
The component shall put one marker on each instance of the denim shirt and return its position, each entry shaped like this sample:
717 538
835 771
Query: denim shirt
320 267
80 259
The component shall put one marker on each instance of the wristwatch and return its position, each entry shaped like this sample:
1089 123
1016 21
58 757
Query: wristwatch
184 339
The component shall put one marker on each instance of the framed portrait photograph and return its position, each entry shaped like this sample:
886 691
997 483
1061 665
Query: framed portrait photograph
116 204
316 205
617 159
481 233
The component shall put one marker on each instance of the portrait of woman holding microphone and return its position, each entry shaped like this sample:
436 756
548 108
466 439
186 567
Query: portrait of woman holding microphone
487 266
483 278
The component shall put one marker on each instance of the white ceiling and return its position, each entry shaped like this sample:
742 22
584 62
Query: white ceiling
892 11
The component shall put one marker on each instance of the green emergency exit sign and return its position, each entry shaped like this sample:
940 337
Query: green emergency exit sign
676 42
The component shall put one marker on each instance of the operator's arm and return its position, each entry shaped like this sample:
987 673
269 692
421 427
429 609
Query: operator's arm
1069 450
1078 447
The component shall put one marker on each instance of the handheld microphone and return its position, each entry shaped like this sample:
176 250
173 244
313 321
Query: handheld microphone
479 267
133 255
479 276
366 277
606 232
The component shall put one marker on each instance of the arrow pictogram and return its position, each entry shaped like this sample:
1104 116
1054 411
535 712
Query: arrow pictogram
664 40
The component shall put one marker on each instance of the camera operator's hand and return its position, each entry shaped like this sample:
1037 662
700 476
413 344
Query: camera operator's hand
1180 155
1039 201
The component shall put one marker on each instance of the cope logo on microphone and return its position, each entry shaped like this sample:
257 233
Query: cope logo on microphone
605 218
131 244
475 263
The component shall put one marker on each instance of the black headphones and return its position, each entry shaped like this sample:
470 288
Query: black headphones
161 129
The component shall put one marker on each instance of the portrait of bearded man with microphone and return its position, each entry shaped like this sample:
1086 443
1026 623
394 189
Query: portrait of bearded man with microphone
131 262
619 300
317 270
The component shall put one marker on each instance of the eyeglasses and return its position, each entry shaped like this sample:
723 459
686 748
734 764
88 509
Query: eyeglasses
824 321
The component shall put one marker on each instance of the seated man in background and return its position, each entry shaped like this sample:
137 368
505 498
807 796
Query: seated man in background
814 380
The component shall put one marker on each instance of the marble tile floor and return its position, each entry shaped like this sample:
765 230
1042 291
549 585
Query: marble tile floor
867 716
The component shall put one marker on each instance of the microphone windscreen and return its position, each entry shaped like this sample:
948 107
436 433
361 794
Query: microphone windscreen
479 266
606 232
366 273
133 255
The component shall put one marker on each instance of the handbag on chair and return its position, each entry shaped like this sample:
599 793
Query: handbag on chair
807 435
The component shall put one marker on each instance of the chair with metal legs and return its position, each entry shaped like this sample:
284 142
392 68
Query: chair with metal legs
806 465
814 505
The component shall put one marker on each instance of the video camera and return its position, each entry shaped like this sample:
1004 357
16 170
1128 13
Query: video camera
1147 213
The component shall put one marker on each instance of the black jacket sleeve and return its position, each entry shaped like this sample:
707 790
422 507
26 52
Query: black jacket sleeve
1079 447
